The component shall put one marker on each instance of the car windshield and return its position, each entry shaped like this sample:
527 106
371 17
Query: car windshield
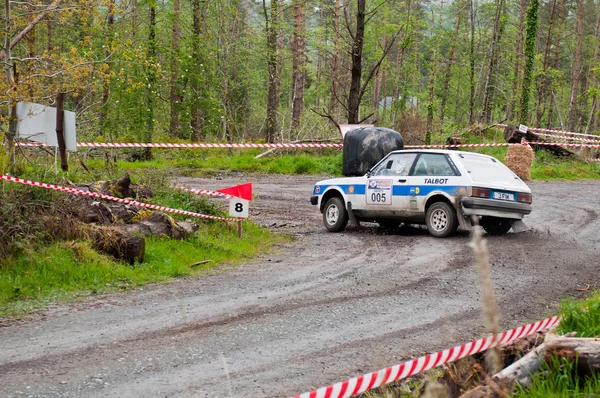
484 169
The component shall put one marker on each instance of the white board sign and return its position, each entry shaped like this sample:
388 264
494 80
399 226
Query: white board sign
238 207
37 123
522 129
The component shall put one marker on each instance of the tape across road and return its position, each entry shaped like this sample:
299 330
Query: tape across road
369 381
108 197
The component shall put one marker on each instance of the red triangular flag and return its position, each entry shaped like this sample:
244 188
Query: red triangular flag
243 191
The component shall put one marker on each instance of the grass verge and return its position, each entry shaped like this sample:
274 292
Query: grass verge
559 378
65 270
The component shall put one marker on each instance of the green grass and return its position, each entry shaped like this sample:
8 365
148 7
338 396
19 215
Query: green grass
65 270
581 316
559 380
198 162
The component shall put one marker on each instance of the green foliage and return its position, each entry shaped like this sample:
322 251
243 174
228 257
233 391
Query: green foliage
581 316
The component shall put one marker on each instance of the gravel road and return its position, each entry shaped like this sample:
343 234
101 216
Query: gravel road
319 309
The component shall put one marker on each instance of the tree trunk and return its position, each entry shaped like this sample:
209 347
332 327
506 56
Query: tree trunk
152 79
543 78
356 71
551 99
576 73
272 27
518 67
12 123
449 63
594 114
531 22
175 96
488 91
335 60
60 131
298 64
110 20
197 113
472 64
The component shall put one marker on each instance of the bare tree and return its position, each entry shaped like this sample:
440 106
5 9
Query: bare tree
335 59
175 96
450 62
488 92
298 63
197 113
358 87
272 26
576 72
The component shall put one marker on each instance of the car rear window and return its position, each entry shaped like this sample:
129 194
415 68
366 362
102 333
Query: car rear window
484 169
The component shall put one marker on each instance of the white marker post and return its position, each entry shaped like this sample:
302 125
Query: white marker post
239 208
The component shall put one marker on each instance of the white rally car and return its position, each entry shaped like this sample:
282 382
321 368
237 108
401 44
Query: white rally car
442 189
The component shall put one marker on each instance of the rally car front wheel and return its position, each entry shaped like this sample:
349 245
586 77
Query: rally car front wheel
441 220
335 215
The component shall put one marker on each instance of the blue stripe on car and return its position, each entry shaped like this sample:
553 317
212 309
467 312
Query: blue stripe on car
397 190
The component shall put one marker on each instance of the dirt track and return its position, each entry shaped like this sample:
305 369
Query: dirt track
323 308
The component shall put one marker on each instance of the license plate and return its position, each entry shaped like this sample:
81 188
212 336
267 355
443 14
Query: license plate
504 196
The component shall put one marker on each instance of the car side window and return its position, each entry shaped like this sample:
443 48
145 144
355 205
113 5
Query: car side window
395 165
433 164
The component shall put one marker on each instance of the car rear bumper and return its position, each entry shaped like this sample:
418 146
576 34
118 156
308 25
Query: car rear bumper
314 200
497 208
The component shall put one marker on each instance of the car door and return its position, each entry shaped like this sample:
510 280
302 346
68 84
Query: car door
386 187
433 173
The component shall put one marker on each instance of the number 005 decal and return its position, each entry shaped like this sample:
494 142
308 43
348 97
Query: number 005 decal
379 192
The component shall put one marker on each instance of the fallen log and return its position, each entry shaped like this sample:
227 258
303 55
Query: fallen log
118 244
512 135
583 352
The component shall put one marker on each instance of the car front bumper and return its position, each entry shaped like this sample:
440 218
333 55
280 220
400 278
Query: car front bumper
495 208
314 200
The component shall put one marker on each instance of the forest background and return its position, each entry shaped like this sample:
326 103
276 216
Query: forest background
277 71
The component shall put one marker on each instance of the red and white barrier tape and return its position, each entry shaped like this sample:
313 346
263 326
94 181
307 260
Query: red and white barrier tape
307 145
565 144
186 145
205 192
376 379
108 197
553 131
457 146
564 137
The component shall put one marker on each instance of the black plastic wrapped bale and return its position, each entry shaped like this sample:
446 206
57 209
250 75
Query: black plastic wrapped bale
366 146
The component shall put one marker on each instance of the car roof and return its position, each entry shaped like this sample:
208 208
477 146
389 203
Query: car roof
444 151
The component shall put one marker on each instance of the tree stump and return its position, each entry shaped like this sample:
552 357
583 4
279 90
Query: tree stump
512 135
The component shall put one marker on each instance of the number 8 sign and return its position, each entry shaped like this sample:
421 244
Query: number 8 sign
238 208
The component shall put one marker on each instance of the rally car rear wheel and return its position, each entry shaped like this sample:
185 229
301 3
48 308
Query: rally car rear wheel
495 225
441 220
335 215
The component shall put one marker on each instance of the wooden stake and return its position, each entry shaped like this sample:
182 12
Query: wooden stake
60 127
240 228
